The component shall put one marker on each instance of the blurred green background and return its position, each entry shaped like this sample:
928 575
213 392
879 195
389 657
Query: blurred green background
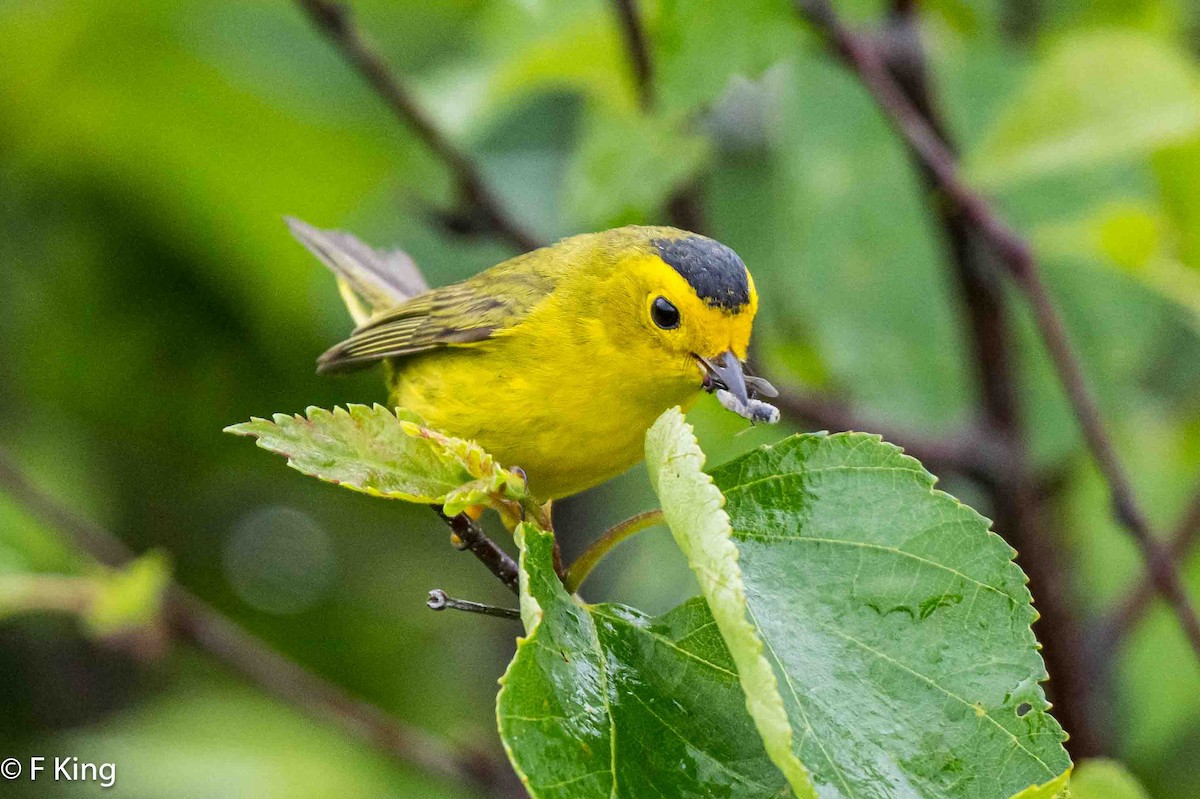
150 295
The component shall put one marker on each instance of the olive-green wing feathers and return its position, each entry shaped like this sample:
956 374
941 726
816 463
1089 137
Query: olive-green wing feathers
457 315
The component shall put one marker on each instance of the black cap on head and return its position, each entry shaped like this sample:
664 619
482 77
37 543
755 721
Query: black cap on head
712 269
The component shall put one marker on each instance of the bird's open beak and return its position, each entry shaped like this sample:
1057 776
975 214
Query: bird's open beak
725 371
736 390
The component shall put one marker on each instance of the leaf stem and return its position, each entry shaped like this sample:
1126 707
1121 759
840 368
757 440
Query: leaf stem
582 567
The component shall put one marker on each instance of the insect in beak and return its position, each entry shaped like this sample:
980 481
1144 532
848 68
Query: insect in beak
736 390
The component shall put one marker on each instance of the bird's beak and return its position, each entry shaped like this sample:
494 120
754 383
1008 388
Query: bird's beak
725 371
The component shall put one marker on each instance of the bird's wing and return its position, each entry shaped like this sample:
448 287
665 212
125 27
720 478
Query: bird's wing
457 315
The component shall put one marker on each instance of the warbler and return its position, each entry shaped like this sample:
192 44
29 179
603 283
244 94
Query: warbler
560 359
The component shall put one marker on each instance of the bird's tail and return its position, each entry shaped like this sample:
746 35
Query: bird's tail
369 280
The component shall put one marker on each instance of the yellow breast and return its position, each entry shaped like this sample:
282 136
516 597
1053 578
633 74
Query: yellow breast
555 408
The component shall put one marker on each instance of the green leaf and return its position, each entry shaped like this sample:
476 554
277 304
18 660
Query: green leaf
603 701
699 46
131 597
628 164
1131 237
371 450
692 509
1104 779
897 625
1177 170
1097 97
107 601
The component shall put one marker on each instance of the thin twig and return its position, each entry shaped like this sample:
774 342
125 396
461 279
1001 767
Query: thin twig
971 453
194 620
1135 604
470 536
638 48
988 329
440 600
684 208
1017 257
333 20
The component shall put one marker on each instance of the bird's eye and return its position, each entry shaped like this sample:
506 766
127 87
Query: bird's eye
664 314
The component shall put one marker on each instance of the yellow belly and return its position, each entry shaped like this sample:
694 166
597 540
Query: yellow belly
569 424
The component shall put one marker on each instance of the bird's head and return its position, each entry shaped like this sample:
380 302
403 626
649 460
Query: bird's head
689 304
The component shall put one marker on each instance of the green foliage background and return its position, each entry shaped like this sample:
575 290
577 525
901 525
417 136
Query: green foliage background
150 295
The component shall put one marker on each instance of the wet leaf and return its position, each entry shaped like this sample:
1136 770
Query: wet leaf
604 701
692 507
897 625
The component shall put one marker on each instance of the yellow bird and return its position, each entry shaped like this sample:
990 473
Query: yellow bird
558 360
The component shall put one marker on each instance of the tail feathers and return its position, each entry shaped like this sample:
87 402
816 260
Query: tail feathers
370 280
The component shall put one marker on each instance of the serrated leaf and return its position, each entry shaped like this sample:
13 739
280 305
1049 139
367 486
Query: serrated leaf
372 450
896 623
603 701
1104 779
1098 96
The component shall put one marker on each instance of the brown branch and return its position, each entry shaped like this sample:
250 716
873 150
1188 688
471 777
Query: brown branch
193 620
333 20
638 47
1010 487
469 535
1018 259
972 453
684 208
1135 604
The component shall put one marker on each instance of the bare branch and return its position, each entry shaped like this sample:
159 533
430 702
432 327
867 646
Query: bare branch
193 620
1131 609
1017 257
333 20
1010 483
638 48
469 535
440 600
971 453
